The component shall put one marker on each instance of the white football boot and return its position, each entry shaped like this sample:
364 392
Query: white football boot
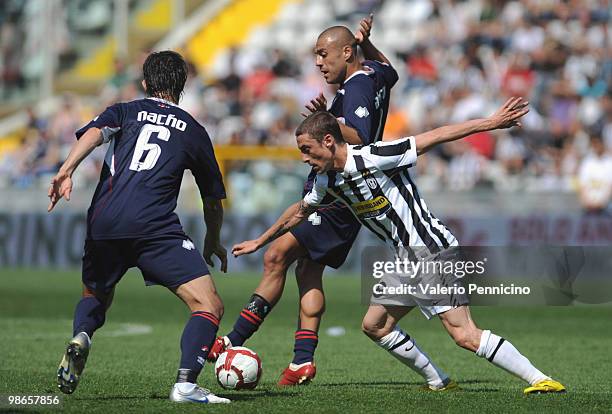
73 363
195 395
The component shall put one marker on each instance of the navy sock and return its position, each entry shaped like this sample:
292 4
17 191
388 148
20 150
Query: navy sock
89 315
305 344
198 337
249 320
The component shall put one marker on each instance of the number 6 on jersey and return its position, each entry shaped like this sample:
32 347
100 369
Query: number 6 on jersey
143 144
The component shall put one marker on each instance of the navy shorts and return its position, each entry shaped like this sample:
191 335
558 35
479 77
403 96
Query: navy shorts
168 260
328 234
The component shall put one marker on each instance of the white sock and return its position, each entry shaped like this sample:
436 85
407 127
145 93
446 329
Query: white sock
503 354
402 347
185 387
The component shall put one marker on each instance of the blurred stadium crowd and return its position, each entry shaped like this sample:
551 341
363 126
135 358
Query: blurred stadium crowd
456 60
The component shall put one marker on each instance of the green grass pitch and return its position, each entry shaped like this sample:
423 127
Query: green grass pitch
134 373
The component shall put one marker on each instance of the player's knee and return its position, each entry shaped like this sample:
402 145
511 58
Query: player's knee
374 330
311 309
275 259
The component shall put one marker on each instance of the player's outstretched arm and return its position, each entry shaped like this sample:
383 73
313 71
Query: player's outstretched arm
505 117
213 216
61 184
293 216
362 37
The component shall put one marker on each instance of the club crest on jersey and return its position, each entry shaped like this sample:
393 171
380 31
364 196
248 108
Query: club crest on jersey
371 182
362 112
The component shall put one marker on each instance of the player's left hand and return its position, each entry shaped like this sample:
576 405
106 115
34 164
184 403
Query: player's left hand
246 247
365 27
317 104
61 186
510 113
218 250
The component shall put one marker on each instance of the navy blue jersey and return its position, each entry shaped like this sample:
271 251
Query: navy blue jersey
362 103
152 142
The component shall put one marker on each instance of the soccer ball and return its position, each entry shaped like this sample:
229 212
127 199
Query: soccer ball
238 368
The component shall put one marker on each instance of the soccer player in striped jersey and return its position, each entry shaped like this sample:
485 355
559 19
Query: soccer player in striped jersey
374 182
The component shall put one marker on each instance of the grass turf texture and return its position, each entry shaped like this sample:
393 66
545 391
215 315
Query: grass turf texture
134 373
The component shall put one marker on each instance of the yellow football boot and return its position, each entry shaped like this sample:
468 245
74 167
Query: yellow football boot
450 386
545 386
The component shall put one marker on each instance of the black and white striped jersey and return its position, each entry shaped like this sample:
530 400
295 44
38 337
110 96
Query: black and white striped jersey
376 185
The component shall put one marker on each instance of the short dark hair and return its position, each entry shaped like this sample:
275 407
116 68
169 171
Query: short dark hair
343 35
319 124
165 74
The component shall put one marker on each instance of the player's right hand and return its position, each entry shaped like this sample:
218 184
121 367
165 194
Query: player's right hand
61 186
246 247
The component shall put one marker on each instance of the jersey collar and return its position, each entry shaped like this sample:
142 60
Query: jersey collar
161 100
349 166
365 71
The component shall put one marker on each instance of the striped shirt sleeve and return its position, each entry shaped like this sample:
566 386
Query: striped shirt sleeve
385 155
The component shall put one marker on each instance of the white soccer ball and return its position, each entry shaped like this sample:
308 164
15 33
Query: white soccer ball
238 368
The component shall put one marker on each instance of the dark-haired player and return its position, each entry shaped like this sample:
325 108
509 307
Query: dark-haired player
131 221
374 182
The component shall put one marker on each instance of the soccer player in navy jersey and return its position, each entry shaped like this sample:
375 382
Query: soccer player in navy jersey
360 105
131 221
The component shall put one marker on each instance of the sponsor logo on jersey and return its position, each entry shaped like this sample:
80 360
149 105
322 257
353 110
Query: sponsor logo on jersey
371 208
362 112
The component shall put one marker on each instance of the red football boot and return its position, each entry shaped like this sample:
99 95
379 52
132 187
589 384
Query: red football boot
298 374
219 346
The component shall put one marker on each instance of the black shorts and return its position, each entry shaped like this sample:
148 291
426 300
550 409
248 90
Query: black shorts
328 234
168 260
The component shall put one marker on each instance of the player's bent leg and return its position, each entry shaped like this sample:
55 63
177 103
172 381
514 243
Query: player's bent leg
497 350
200 295
380 325
280 255
89 315
302 370
460 326
309 277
